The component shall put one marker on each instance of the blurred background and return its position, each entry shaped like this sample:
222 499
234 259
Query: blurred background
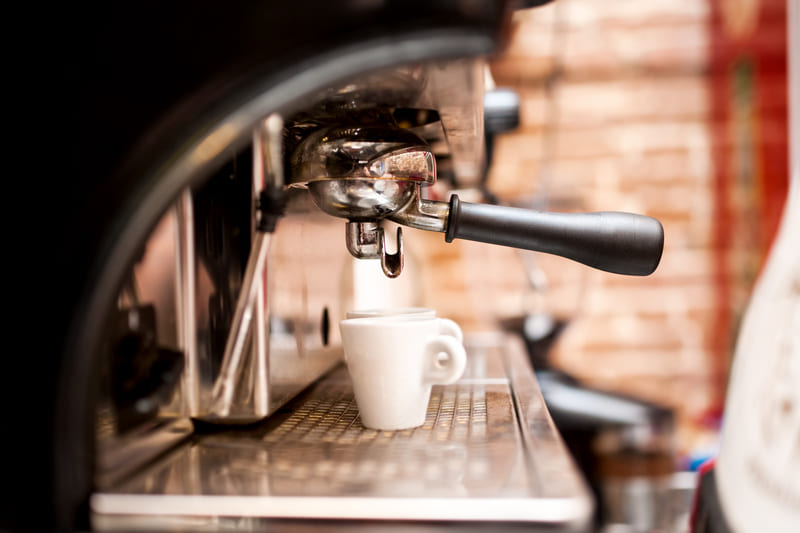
677 110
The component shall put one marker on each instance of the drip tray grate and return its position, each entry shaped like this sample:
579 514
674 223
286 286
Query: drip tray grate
474 458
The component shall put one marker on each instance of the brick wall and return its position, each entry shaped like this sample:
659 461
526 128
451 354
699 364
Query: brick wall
615 116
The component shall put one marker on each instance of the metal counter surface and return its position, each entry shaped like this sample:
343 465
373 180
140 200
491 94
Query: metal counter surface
487 452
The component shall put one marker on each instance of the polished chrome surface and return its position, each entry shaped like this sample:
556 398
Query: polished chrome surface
362 173
260 331
457 89
120 455
363 152
392 264
261 354
484 453
366 240
268 154
423 214
162 278
361 199
449 92
185 300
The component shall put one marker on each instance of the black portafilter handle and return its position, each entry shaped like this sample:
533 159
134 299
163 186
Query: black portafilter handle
622 243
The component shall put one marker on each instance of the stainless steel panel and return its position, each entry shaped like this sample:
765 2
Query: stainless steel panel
118 456
487 452
306 260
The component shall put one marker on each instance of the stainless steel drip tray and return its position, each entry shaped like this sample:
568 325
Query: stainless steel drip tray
488 451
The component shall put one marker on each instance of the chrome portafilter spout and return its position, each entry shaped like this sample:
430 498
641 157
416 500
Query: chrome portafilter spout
370 174
365 240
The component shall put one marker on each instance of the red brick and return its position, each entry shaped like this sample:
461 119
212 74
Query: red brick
689 163
590 102
583 13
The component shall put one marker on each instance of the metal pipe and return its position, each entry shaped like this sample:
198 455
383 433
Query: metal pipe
266 157
185 308
222 393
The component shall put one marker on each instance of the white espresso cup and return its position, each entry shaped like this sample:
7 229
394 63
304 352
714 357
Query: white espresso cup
393 362
448 327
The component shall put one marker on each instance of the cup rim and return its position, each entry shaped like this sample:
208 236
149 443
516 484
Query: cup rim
389 311
383 320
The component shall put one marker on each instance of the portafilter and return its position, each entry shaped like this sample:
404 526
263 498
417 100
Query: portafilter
367 174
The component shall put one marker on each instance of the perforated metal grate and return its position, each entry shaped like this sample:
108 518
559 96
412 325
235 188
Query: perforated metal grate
470 460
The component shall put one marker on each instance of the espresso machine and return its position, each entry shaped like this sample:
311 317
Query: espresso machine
199 380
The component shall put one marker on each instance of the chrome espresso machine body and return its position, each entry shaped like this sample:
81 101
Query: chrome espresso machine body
225 172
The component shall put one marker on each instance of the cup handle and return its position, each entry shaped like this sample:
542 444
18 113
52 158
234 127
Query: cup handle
442 371
449 327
